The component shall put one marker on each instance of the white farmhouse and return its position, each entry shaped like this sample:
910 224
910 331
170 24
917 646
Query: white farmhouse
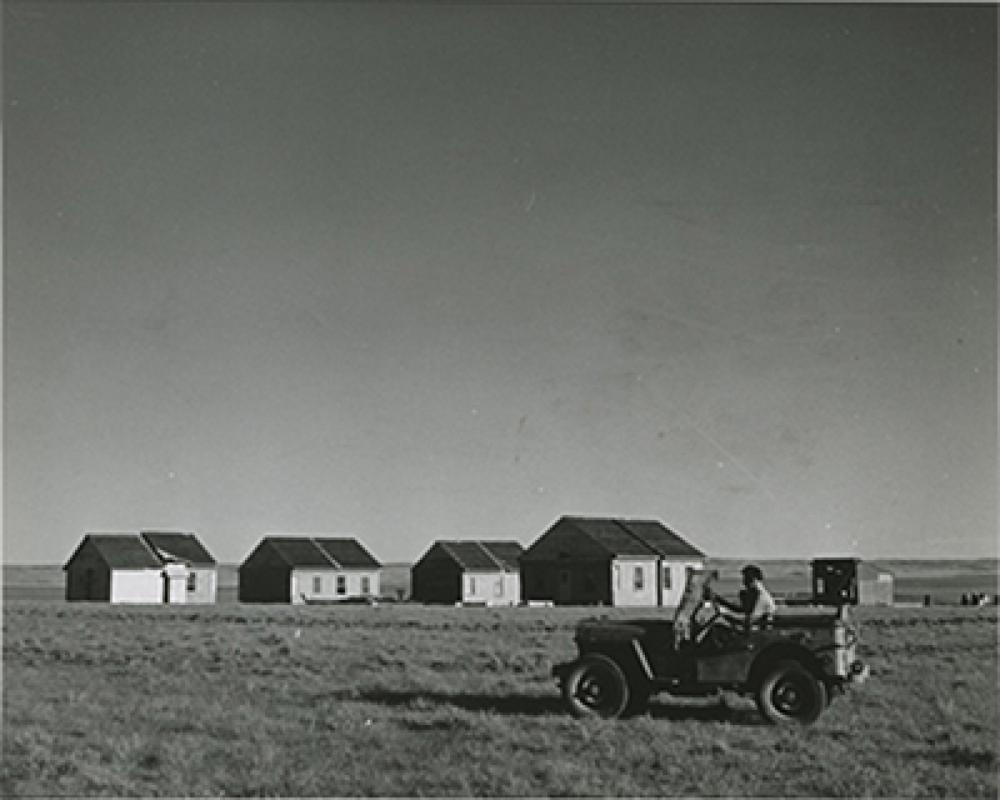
132 568
607 561
308 569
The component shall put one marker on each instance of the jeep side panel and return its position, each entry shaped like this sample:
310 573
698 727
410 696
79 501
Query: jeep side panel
725 668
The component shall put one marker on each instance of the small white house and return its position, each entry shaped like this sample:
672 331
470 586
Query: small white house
308 569
605 561
479 572
128 568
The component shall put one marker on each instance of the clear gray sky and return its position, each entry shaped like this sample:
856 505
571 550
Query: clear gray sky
429 271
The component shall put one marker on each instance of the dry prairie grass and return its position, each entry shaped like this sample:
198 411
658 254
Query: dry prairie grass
406 700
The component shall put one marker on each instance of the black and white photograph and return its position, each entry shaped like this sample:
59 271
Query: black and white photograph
499 399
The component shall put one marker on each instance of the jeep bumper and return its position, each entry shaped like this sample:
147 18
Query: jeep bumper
859 672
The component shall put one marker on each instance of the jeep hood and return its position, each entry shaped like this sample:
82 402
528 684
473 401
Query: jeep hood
606 630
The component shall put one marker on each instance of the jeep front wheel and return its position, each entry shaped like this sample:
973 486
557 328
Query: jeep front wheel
596 687
790 693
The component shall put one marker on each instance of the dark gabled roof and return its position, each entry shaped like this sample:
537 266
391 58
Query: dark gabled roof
483 555
469 555
119 550
613 537
348 553
179 546
660 538
297 551
507 553
331 553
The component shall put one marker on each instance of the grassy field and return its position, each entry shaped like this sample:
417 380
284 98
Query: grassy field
405 700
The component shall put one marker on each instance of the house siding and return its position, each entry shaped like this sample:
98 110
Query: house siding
267 584
567 581
137 586
571 581
95 588
303 584
435 578
625 587
495 588
206 585
677 570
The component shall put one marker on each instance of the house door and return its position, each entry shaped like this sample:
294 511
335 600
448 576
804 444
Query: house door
564 587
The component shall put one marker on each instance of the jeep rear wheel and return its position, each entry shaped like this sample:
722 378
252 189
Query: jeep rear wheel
790 693
596 687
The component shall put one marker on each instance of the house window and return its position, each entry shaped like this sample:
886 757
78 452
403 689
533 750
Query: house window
666 577
317 584
341 584
192 581
472 584
498 588
366 585
639 579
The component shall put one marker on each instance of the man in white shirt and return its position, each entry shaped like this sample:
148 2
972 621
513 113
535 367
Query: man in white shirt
756 606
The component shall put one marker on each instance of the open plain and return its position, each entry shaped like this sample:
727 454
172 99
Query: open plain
241 700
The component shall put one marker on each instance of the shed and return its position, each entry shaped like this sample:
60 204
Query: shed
608 561
876 585
852 581
308 569
472 572
131 568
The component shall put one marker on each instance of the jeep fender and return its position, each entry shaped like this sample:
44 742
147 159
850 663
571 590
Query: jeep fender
781 652
630 656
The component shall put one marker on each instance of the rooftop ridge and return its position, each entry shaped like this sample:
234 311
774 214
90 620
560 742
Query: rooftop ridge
623 524
336 564
445 545
496 561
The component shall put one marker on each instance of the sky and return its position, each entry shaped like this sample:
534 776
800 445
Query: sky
449 271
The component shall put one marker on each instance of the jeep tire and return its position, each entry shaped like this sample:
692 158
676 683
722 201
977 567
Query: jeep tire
790 693
596 687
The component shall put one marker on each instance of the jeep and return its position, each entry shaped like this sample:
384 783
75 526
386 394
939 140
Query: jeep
792 664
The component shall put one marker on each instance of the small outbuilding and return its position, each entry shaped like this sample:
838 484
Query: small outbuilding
480 572
606 561
131 568
852 581
308 569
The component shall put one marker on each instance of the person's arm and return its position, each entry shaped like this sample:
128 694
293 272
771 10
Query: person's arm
722 601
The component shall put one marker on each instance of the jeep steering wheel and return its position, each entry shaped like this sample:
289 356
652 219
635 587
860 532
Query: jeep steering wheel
700 629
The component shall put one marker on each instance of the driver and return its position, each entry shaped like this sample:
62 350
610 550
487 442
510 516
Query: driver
756 605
